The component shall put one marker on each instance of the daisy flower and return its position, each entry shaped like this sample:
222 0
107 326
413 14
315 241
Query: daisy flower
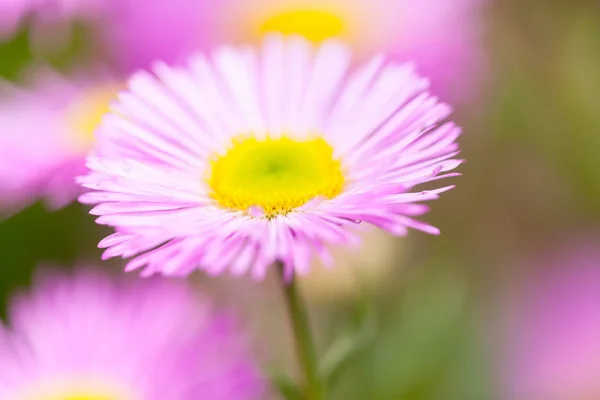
93 337
442 36
253 157
47 129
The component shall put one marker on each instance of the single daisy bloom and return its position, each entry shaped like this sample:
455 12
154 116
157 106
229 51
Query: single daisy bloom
259 156
91 336
46 130
553 350
443 37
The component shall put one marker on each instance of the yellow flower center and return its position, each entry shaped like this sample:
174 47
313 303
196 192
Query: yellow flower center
77 389
85 115
277 175
313 24
76 395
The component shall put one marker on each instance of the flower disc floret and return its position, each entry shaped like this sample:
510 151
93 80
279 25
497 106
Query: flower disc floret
276 175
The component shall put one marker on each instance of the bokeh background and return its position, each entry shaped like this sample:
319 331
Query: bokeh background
450 317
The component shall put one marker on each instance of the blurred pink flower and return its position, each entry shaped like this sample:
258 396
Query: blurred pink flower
264 155
443 37
554 346
91 336
47 130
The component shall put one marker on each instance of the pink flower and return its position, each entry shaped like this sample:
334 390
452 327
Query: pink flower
443 37
253 157
47 131
554 346
90 336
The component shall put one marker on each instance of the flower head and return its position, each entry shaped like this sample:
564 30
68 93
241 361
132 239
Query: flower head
94 337
47 130
443 37
260 156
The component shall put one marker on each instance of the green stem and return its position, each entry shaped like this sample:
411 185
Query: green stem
305 347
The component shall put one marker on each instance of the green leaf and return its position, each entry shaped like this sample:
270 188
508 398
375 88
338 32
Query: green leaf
343 350
287 388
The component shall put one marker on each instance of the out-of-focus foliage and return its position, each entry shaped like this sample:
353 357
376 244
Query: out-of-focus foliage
424 348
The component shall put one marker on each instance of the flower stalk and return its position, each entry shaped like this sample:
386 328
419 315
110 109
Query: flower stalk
314 388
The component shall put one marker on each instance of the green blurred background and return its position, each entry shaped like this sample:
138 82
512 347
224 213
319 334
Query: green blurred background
532 177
